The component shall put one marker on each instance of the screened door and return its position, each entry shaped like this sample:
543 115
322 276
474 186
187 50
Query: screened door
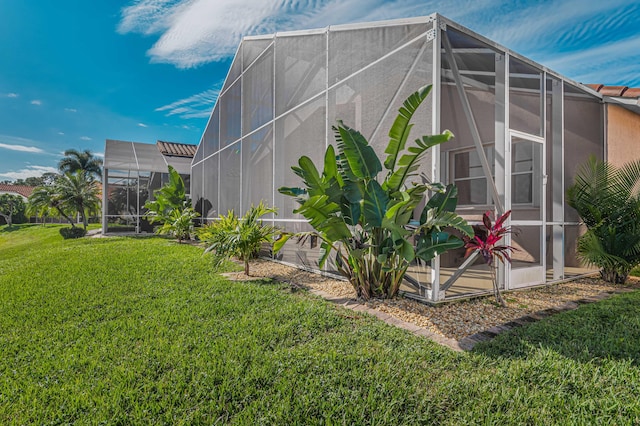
528 181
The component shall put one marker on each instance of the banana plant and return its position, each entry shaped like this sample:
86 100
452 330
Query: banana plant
172 208
365 216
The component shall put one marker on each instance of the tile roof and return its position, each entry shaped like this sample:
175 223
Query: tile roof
174 149
23 190
617 91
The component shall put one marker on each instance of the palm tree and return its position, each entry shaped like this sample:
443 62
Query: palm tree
75 160
43 202
607 199
78 192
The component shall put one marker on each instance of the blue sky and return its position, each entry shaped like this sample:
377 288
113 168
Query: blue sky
75 72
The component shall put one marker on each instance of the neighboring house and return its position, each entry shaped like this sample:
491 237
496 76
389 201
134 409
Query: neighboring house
21 190
622 122
521 130
132 171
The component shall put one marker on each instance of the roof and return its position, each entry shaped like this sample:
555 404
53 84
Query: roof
626 97
616 91
23 190
125 155
175 149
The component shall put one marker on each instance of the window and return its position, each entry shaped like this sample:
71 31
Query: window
469 177
526 172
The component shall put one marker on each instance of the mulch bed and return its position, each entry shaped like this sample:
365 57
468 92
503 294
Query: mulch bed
457 320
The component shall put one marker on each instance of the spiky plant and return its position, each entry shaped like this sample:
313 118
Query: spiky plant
607 199
243 237
486 240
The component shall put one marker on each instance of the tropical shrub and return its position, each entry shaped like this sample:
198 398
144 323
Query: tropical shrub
485 240
179 223
607 199
12 209
231 236
74 232
365 220
172 209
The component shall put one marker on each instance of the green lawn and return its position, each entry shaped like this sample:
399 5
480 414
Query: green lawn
143 331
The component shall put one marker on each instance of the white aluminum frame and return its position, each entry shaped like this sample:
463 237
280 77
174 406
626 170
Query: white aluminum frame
500 185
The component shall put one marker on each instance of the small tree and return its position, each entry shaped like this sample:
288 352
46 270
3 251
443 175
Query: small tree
366 220
79 193
231 236
485 240
12 209
43 202
172 209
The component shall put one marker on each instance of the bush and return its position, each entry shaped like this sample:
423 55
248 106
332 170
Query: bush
172 209
366 219
69 233
231 236
607 198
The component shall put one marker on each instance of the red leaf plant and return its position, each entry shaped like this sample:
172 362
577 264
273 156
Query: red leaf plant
486 241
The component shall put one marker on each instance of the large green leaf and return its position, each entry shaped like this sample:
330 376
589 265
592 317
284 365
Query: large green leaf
397 231
399 132
360 157
333 190
405 249
353 191
330 163
409 163
400 211
310 176
325 251
375 205
442 202
350 212
317 209
439 220
431 245
292 192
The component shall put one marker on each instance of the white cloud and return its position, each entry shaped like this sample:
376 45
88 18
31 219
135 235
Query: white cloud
21 148
195 32
142 125
14 143
195 106
12 95
85 138
61 133
36 102
606 53
71 110
99 154
29 171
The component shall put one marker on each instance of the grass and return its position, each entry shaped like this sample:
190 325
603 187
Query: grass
144 331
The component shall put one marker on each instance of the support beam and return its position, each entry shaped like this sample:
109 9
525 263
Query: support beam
501 143
397 94
105 198
557 176
461 270
473 128
436 176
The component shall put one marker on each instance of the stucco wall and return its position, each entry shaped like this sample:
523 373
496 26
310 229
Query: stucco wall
623 135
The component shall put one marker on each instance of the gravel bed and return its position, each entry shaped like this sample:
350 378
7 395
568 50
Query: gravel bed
453 320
